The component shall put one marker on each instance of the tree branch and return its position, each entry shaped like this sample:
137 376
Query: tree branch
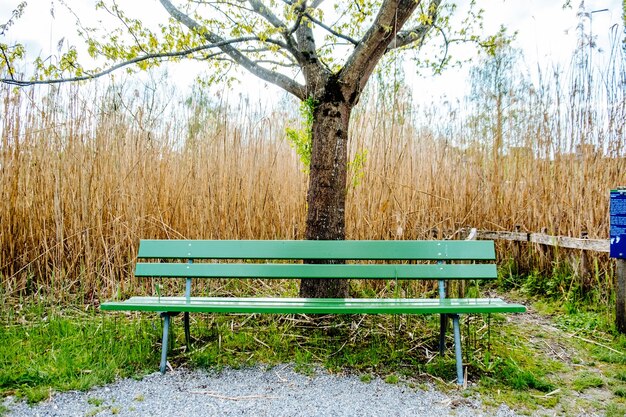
267 14
24 83
418 33
392 16
331 30
270 76
7 61
312 69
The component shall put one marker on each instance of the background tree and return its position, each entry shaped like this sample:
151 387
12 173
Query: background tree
320 52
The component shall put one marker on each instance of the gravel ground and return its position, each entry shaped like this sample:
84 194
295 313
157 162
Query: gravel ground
277 391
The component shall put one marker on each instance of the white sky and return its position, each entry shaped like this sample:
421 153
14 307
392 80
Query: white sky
547 34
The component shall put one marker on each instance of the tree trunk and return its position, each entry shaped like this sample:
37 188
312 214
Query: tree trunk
326 197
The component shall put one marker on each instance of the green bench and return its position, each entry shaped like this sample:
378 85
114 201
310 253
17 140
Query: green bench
282 259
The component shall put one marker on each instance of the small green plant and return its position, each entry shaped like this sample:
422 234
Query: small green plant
301 139
139 398
356 167
367 378
392 379
95 401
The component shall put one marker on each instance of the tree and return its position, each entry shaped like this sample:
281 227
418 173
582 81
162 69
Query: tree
497 87
279 42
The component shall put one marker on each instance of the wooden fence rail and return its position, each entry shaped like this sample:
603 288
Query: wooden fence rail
595 245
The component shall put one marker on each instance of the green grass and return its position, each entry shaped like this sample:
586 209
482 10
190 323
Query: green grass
47 349
63 350
585 380
392 379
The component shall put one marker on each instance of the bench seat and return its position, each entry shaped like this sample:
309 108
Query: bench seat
317 305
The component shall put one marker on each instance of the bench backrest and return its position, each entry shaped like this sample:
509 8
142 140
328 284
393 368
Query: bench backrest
289 251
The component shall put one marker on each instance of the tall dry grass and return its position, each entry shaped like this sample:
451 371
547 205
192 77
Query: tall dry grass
87 172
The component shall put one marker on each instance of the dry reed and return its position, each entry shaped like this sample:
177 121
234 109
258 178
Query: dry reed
81 182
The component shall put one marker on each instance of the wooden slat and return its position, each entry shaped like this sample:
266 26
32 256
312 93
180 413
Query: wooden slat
513 236
318 249
349 271
315 306
597 245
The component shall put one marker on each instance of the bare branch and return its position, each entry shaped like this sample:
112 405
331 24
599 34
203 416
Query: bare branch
331 30
277 63
270 76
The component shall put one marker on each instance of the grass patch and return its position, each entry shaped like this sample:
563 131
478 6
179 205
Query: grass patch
46 349
71 350
586 380
615 410
620 392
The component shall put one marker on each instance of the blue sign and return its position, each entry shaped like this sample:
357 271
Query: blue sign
618 223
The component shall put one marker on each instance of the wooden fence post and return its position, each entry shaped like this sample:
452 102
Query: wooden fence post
584 267
517 251
620 295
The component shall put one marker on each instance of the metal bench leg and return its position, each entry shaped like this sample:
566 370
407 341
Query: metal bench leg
166 329
187 332
443 327
457 349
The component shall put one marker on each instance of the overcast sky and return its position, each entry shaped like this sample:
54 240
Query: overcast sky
546 32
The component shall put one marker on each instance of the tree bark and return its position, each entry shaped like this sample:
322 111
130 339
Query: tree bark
326 196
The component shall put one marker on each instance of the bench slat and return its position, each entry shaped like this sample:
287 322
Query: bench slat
348 271
316 306
318 249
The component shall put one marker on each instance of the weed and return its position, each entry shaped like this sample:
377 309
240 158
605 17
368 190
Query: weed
367 378
95 401
392 379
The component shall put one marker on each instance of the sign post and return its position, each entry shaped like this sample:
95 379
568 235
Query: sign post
618 251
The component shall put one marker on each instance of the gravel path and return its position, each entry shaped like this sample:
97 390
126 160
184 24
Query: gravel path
277 391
